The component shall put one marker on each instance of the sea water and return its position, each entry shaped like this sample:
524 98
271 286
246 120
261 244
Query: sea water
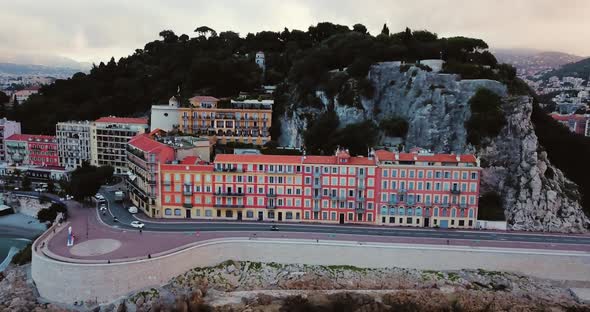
10 246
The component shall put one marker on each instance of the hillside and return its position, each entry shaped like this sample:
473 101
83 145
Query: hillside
533 59
10 69
338 86
222 64
580 69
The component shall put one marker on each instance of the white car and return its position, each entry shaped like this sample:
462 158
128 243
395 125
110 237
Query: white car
98 196
132 209
69 197
137 224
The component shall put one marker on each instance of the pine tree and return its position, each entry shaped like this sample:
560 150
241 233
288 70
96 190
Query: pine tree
385 30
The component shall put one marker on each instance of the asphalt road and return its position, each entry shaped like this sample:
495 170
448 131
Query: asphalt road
125 218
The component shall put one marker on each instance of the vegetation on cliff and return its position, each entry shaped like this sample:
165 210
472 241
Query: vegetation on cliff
487 118
580 69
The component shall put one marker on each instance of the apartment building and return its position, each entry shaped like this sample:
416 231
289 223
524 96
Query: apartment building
7 128
577 123
244 121
145 152
109 137
32 150
74 143
429 190
415 189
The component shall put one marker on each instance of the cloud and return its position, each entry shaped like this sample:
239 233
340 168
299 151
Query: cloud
96 30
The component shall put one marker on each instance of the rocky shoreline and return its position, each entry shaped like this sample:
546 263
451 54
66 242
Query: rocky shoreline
252 286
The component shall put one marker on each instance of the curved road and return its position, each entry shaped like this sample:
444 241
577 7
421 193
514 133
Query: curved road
125 218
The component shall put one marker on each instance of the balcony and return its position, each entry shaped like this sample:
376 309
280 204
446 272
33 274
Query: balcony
228 170
228 206
187 192
187 205
271 195
359 210
317 174
317 196
463 205
316 208
402 191
445 205
229 194
317 185
271 206
392 201
360 199
455 191
167 182
361 186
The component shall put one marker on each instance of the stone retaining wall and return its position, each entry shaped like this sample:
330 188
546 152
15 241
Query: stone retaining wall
68 282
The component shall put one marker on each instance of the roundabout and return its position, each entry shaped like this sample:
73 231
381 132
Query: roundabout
95 247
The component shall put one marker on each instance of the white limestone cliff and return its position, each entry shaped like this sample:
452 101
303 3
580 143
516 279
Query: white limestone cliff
535 194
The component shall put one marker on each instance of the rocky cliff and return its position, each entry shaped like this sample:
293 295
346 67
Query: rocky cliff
535 195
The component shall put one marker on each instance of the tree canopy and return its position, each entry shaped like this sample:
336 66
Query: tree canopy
86 180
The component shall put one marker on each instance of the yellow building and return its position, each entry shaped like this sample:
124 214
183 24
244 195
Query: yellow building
244 121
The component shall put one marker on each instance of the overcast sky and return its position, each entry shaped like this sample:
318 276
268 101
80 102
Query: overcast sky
92 31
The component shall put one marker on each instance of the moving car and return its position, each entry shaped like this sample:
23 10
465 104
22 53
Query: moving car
115 219
274 228
137 224
132 209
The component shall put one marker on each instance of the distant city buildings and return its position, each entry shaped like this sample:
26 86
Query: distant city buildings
577 123
24 94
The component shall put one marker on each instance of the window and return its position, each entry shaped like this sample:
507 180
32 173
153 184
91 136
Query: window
402 173
249 214
411 173
177 212
473 175
324 215
385 173
289 216
420 174
168 212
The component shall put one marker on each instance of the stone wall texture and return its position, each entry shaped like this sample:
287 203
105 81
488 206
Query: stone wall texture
106 282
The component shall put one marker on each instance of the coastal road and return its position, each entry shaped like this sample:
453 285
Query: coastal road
125 218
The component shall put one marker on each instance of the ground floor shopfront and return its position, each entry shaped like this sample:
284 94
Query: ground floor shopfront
326 216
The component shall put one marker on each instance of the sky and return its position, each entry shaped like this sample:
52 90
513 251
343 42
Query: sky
93 31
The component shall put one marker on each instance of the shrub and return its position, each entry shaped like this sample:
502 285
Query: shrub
487 118
23 256
394 126
49 214
490 207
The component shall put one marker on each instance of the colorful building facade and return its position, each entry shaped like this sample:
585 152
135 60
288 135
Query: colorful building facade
246 121
29 149
577 123
408 189
7 128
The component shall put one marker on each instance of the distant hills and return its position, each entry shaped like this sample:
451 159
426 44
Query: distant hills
580 69
10 69
532 61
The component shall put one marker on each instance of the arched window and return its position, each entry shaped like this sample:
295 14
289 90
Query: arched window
401 211
392 211
470 213
453 212
419 212
168 212
384 210
410 211
444 212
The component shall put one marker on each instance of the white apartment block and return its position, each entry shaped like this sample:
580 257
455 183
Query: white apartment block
7 128
109 140
74 145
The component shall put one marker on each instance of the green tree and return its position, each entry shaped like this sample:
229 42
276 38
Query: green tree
86 180
205 30
4 98
394 126
487 118
359 28
26 183
50 214
385 30
51 186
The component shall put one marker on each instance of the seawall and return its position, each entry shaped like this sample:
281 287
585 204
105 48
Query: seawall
106 282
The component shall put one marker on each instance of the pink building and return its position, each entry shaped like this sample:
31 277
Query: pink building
409 189
32 149
577 123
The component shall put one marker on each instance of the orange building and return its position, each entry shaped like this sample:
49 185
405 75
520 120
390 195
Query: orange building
244 121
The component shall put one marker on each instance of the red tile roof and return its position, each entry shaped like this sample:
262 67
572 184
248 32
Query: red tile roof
274 159
333 160
190 160
576 117
32 137
145 143
205 98
383 155
123 120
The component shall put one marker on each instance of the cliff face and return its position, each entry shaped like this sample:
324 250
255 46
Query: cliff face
536 195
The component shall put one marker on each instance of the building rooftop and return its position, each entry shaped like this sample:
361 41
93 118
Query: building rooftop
31 138
181 141
383 155
145 143
123 120
203 98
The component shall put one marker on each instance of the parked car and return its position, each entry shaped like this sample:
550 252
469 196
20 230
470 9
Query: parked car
132 209
98 196
274 228
115 219
137 224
